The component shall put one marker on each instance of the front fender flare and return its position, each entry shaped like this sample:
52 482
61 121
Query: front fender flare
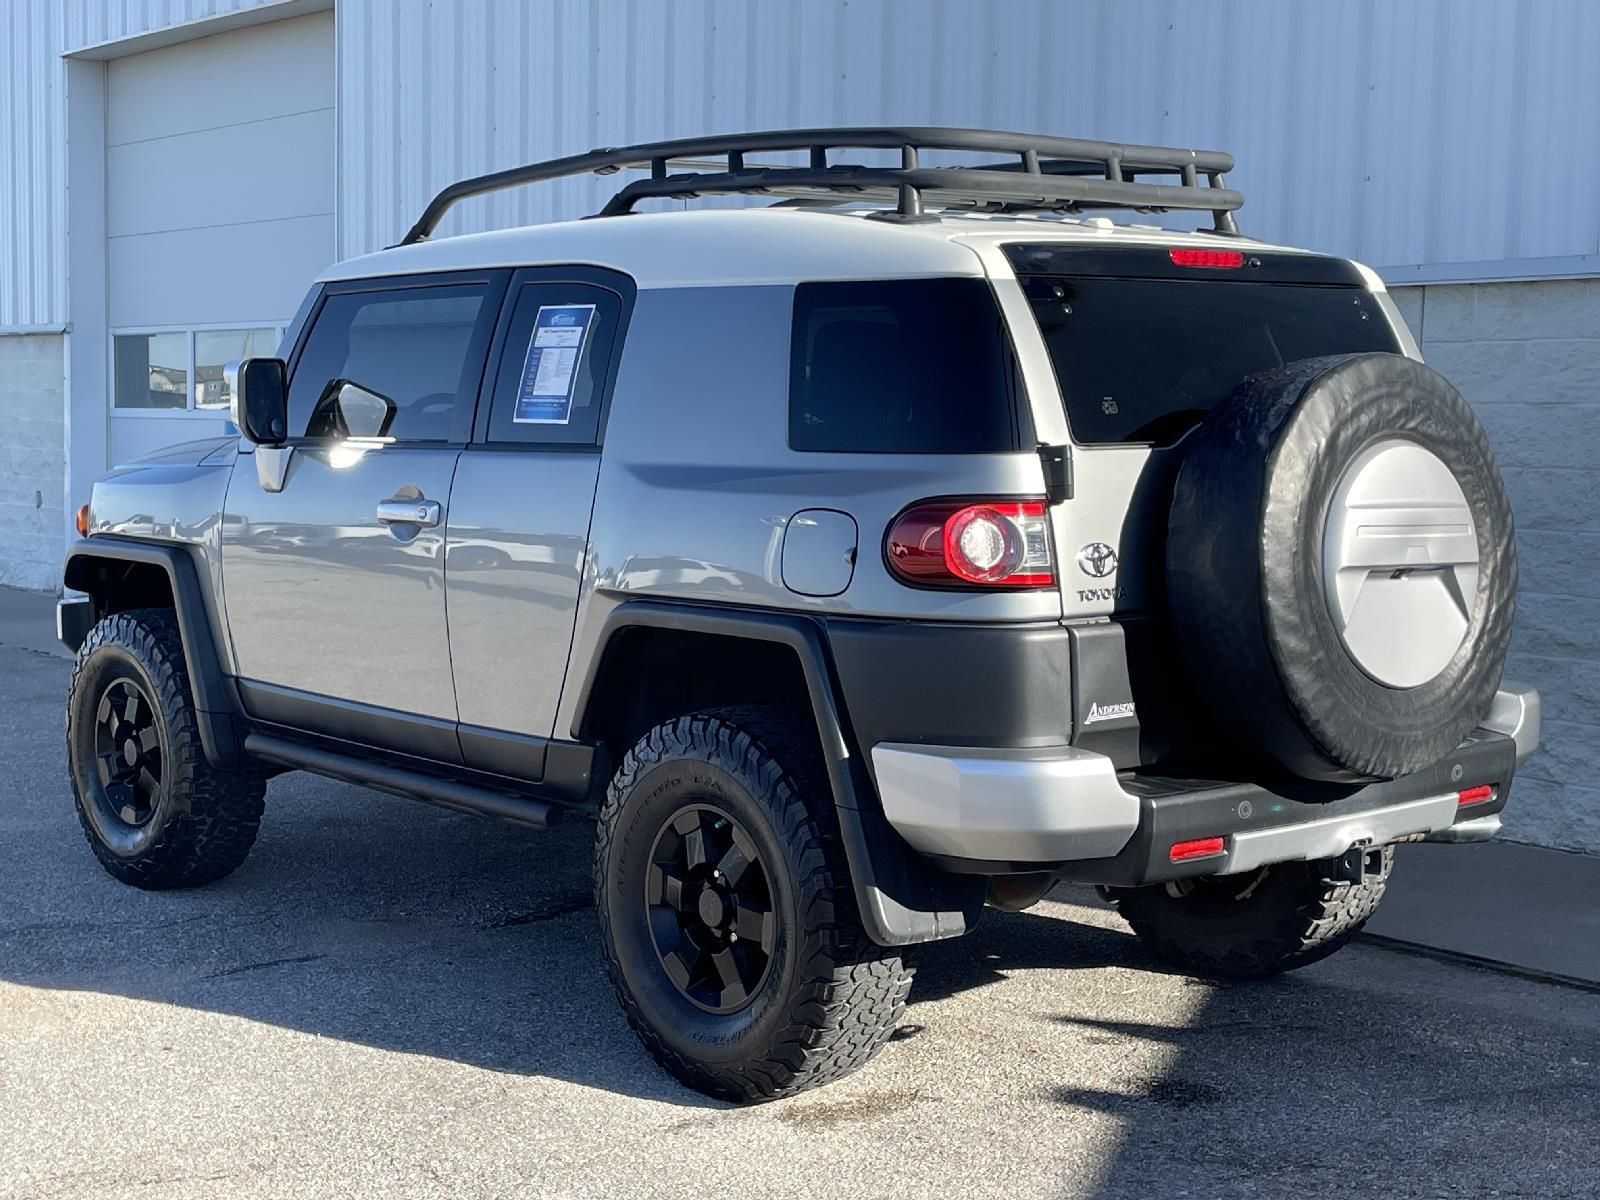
91 568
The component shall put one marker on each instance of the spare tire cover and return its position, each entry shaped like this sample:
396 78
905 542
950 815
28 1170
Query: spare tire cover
1340 566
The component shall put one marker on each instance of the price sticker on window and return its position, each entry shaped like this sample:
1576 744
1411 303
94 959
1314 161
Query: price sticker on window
550 369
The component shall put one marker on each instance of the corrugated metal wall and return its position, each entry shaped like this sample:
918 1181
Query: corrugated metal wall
33 161
34 34
1425 132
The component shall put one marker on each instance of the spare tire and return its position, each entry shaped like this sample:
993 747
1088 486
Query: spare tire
1340 566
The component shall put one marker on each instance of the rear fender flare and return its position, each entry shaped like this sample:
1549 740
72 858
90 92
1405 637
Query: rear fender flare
903 898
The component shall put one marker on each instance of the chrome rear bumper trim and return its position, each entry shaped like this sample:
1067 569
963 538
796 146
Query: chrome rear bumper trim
1332 836
1516 712
1006 806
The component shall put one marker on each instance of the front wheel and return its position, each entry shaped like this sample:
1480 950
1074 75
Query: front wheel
155 812
1257 924
727 918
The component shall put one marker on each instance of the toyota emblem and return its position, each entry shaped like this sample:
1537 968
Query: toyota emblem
1097 559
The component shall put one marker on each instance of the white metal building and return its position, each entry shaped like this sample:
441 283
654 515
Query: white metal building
174 172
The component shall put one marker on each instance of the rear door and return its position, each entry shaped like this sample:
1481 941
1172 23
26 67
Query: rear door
519 514
334 584
1143 341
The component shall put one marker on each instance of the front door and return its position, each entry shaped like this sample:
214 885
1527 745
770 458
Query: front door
333 585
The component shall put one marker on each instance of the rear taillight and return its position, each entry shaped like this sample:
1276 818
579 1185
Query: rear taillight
1474 795
962 543
1194 256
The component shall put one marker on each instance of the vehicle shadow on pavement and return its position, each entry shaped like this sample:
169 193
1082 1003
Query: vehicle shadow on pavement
385 924
1289 1086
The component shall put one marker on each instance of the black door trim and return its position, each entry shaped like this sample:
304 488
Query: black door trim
351 721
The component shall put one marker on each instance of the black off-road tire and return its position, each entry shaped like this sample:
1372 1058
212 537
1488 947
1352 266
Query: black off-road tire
203 820
1294 915
830 997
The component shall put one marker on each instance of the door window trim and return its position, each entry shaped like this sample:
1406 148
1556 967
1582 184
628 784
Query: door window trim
470 399
619 284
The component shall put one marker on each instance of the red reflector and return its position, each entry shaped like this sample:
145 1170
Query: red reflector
1199 848
1193 256
1474 795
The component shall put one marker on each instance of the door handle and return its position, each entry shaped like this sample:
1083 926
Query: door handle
409 512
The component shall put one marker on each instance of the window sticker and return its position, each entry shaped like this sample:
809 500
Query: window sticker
550 371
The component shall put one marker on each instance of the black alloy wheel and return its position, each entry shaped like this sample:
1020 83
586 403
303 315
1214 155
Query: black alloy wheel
128 753
728 917
156 811
709 905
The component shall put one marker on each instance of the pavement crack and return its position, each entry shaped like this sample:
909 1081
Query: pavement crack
261 966
1477 962
562 906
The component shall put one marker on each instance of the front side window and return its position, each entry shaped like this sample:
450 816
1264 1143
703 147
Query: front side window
903 366
392 363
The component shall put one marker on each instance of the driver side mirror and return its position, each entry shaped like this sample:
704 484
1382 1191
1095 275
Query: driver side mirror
260 406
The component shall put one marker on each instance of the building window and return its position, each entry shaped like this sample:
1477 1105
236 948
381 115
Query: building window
177 370
216 348
152 370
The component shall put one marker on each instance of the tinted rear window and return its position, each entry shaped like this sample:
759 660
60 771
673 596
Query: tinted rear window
908 366
1142 360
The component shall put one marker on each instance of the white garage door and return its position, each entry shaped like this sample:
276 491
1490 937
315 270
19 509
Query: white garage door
219 213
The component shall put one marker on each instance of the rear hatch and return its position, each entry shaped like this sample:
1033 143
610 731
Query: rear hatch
1143 341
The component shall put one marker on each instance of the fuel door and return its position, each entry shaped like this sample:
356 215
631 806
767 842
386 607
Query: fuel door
819 552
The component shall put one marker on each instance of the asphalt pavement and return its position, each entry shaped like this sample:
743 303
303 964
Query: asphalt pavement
392 1000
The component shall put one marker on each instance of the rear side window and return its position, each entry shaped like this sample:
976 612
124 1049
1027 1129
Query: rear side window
908 366
1143 360
395 363
538 396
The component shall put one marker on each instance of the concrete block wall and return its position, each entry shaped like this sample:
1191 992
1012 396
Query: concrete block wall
1527 356
32 459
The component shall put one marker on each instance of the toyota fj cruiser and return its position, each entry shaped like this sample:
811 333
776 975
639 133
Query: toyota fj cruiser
914 542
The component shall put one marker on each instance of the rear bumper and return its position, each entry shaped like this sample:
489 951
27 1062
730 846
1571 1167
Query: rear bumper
1068 810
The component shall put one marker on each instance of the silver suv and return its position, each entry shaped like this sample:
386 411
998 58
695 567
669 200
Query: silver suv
914 542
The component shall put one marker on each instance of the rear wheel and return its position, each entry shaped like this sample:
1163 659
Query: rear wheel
1254 925
155 812
728 922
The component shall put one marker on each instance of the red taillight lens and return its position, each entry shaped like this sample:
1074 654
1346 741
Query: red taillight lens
1474 795
958 543
1198 848
1193 256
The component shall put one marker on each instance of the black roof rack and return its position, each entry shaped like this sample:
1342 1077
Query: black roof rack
1038 173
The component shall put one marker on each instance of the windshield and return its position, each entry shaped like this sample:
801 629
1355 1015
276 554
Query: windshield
1143 359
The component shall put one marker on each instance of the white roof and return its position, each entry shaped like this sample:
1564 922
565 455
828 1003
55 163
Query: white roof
704 247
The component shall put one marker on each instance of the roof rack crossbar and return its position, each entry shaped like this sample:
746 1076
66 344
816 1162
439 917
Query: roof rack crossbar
1040 173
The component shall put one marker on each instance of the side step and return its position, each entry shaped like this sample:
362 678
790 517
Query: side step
447 793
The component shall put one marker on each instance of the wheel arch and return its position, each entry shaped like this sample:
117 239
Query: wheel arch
119 574
902 897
